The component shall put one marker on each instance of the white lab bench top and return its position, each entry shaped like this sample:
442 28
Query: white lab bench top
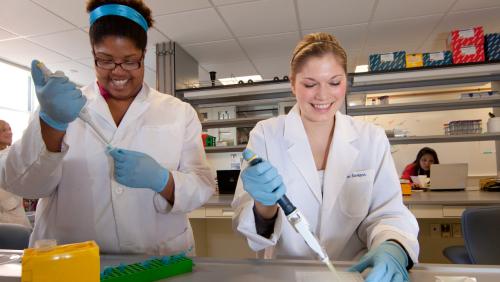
431 204
251 270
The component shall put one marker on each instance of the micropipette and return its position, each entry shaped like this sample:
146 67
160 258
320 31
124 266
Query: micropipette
297 220
84 113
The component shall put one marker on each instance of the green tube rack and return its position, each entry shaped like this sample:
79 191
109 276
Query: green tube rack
149 270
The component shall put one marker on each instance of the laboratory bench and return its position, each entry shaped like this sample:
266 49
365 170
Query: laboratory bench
250 270
423 204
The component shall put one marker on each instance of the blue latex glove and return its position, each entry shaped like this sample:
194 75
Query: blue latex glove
138 170
263 183
60 100
389 263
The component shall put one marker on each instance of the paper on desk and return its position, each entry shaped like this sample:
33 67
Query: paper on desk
455 279
319 276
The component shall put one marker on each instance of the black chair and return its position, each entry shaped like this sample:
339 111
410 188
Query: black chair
480 228
14 236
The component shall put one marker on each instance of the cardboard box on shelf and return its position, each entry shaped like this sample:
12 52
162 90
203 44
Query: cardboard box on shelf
437 59
492 45
388 62
414 60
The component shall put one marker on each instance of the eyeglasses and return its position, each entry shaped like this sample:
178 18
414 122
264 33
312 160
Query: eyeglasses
111 65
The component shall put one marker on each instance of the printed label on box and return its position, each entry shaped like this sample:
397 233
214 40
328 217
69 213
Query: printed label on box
387 57
467 33
468 50
439 56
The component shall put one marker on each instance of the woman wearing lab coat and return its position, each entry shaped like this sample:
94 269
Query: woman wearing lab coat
11 206
336 170
133 194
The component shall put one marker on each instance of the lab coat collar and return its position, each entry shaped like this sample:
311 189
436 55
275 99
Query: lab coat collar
99 109
299 151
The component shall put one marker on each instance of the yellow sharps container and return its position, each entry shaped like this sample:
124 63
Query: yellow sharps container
73 262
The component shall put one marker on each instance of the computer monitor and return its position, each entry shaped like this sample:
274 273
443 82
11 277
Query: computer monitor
448 176
227 180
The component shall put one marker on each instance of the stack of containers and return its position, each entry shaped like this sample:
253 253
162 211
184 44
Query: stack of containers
467 45
492 47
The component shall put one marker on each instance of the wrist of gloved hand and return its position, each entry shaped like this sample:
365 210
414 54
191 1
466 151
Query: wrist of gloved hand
388 262
163 177
53 123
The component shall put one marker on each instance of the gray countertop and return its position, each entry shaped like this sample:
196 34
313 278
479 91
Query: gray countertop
468 197
251 270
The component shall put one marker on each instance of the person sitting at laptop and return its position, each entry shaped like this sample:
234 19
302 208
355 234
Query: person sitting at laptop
421 166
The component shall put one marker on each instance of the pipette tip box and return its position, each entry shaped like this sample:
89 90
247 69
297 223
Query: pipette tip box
148 270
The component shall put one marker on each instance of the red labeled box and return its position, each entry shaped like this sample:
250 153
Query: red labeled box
467 46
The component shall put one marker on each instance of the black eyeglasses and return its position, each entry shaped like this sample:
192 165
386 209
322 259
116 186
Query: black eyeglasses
111 65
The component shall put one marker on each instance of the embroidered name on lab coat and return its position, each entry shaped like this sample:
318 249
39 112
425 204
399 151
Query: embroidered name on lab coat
357 174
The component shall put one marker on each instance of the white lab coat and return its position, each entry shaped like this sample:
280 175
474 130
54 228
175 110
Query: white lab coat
11 206
81 199
361 207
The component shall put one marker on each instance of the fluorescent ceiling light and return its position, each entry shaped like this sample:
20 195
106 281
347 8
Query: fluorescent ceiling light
361 68
234 80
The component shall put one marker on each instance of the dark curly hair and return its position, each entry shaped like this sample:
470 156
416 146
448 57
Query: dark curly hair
120 26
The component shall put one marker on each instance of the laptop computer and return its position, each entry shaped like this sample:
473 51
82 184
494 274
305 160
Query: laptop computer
227 180
448 176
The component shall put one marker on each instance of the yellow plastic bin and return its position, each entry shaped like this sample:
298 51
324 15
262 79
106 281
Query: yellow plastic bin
73 262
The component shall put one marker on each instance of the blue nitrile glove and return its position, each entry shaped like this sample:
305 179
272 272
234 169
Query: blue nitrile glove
389 262
263 183
138 170
60 100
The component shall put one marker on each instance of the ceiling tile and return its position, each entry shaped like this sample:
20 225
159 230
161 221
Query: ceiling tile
73 44
22 52
73 11
203 74
398 9
401 33
260 18
488 18
216 52
4 35
77 72
162 7
268 68
475 4
231 69
322 14
349 36
269 46
229 2
18 16
87 61
154 36
193 27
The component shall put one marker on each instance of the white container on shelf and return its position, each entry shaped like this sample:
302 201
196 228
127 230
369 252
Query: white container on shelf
494 124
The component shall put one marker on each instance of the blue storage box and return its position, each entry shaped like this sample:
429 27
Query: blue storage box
388 62
492 44
437 59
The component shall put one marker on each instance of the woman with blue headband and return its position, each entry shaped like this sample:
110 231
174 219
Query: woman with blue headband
129 174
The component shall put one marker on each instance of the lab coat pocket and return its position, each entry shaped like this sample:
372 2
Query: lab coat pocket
176 244
355 197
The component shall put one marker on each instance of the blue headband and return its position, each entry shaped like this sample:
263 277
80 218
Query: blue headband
118 10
